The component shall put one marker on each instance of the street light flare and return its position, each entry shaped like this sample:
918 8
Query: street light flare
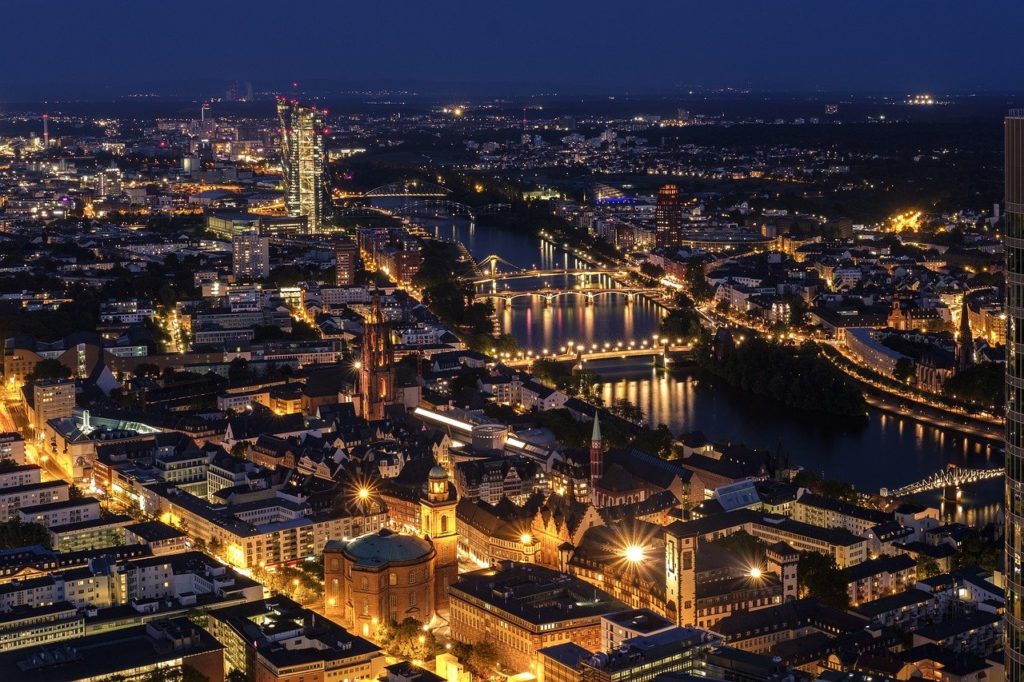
634 553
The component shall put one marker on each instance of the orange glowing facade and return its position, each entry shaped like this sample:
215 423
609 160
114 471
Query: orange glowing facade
376 370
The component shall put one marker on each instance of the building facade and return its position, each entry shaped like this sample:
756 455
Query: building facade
381 577
250 257
668 216
388 577
304 162
376 369
1014 503
346 257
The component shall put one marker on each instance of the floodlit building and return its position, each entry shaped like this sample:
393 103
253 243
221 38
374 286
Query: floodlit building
386 576
53 399
521 608
304 161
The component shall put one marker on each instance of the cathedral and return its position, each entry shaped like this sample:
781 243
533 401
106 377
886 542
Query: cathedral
376 366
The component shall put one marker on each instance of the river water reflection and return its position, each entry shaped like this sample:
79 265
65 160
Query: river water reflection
883 451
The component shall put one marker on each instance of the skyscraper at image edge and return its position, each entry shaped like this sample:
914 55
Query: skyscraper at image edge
1014 528
304 162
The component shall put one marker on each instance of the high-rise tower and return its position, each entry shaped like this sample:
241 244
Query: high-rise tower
304 161
668 217
376 371
1014 501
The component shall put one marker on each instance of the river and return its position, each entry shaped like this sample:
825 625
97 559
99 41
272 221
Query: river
883 451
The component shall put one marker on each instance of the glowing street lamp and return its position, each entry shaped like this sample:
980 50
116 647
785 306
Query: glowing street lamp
634 554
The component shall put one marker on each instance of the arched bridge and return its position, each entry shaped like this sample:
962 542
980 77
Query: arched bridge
431 208
549 294
526 274
363 211
409 188
491 209
490 264
949 477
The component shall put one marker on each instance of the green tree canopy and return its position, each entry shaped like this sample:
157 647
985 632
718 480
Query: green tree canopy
48 369
819 577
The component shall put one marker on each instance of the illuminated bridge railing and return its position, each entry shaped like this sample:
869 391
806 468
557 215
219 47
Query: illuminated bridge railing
950 477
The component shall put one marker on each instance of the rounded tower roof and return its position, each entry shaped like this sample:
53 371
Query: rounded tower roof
387 547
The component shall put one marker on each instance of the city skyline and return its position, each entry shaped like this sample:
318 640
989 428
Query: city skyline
539 342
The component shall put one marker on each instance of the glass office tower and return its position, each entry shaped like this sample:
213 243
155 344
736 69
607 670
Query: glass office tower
1014 243
304 162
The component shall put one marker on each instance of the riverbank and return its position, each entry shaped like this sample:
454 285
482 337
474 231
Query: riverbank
943 411
887 403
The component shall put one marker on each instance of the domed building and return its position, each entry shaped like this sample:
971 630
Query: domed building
377 577
388 576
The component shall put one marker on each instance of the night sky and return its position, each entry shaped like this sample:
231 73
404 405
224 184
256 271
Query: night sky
492 46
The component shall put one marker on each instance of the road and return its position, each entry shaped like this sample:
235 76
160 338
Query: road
899 402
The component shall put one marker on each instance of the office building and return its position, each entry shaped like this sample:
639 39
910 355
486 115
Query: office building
522 608
304 162
52 399
250 257
12 447
164 647
1014 241
277 639
668 217
346 255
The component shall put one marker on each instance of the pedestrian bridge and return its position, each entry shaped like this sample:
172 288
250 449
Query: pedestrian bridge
948 477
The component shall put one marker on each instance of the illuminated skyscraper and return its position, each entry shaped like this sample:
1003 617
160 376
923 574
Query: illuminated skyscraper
1014 528
668 217
304 160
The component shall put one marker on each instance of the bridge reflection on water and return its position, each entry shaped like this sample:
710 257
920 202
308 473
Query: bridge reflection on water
884 450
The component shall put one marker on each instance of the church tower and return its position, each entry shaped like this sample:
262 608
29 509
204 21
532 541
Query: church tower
596 460
376 369
437 522
680 575
965 340
784 561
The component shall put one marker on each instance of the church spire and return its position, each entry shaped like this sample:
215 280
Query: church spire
596 459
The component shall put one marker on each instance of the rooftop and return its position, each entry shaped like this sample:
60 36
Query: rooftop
385 547
537 595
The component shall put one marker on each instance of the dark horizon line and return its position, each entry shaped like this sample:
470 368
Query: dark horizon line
200 89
